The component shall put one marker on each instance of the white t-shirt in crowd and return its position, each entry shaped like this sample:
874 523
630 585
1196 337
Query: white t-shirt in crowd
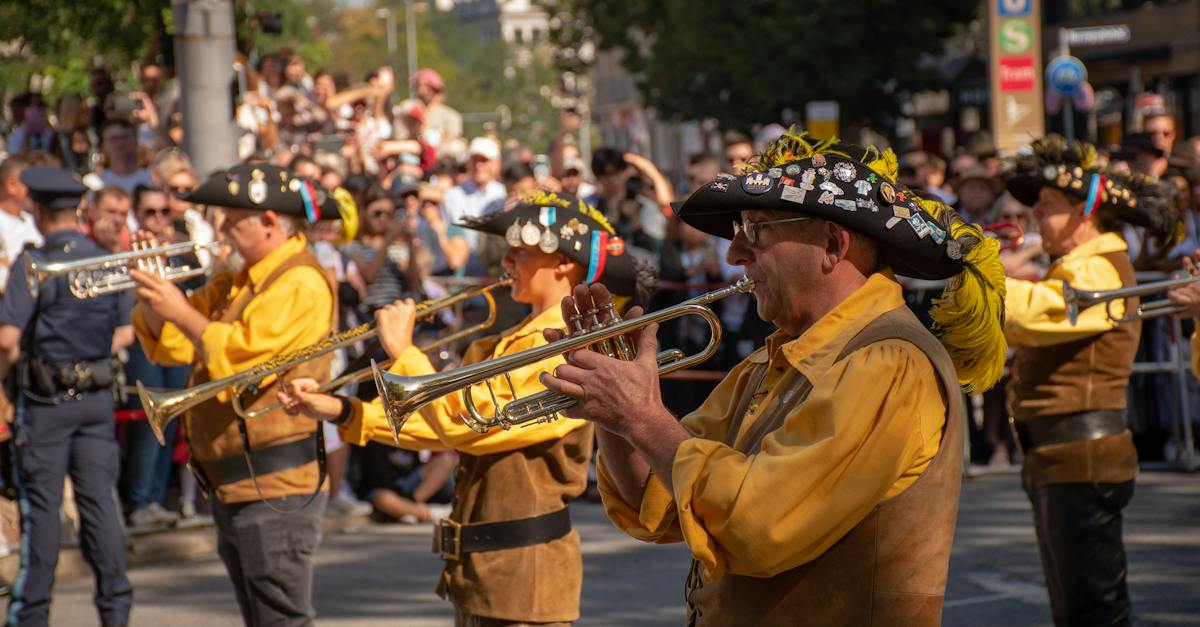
16 232
470 201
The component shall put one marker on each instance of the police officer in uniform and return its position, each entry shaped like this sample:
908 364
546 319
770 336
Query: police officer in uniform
58 349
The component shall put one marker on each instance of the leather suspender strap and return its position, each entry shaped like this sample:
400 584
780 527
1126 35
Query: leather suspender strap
748 394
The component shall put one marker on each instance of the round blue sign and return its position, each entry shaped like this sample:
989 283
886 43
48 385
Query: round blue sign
1066 75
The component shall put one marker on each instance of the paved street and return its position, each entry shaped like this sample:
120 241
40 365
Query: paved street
385 575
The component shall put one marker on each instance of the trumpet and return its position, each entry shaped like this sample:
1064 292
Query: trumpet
401 396
108 274
162 407
1078 300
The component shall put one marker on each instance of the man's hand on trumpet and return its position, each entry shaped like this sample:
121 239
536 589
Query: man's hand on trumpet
622 397
163 301
1188 295
299 397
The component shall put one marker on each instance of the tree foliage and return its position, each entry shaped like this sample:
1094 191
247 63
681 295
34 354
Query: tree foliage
745 63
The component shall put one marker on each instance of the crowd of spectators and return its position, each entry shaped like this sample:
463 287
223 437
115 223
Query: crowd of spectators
414 173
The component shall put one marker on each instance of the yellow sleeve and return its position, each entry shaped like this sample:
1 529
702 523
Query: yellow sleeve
865 425
438 425
172 347
655 518
1036 313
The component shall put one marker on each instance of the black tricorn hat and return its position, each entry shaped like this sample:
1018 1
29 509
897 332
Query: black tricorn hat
261 187
554 222
1070 166
837 182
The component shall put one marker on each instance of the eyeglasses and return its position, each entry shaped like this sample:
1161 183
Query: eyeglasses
381 214
155 211
179 191
750 227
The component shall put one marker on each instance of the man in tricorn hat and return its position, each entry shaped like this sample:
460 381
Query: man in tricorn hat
63 392
819 481
266 475
1071 370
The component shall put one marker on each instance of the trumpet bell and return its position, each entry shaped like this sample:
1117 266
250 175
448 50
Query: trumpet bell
152 405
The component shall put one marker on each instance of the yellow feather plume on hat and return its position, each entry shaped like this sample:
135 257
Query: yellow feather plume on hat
968 317
349 213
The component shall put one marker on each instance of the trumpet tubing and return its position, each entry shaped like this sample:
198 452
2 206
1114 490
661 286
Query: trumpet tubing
162 407
401 396
108 274
1078 300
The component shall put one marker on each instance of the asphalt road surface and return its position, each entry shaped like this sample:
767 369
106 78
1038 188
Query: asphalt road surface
385 575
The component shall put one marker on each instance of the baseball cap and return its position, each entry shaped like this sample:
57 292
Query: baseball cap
484 147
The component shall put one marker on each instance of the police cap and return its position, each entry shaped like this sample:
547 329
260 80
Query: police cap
53 188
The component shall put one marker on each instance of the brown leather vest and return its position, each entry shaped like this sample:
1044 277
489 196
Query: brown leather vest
211 429
891 568
1084 375
532 584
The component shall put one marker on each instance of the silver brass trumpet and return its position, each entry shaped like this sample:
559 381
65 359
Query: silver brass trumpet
108 274
401 396
162 407
1078 300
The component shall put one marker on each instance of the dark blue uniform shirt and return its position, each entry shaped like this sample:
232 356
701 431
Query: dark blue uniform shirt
65 329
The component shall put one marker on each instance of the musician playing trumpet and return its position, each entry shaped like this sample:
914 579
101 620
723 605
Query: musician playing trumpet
261 473
1188 297
512 486
1068 389
819 481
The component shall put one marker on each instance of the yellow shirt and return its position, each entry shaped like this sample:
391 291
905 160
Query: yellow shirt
1196 350
438 425
292 313
868 429
1036 313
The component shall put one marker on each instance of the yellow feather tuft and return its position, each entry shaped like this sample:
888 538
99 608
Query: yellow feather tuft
349 213
968 317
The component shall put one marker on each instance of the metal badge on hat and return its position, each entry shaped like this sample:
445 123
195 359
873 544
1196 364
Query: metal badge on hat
548 242
757 183
530 234
513 235
232 185
257 190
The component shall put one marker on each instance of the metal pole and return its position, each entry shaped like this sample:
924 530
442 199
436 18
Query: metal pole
1185 453
391 32
204 51
1064 49
410 40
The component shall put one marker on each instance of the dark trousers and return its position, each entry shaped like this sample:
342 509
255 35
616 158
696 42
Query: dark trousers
52 441
147 463
1083 557
269 557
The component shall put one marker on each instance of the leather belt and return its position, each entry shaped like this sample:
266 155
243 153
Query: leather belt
1088 425
232 469
452 539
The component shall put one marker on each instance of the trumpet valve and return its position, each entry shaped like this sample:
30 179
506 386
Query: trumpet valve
624 350
603 346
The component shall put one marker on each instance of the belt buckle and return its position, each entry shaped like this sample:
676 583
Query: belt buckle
440 538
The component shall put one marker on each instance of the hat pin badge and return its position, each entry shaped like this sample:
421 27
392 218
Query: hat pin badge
257 189
548 242
513 234
530 234
757 183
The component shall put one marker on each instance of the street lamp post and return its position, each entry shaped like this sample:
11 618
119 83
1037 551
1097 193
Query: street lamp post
390 18
410 40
